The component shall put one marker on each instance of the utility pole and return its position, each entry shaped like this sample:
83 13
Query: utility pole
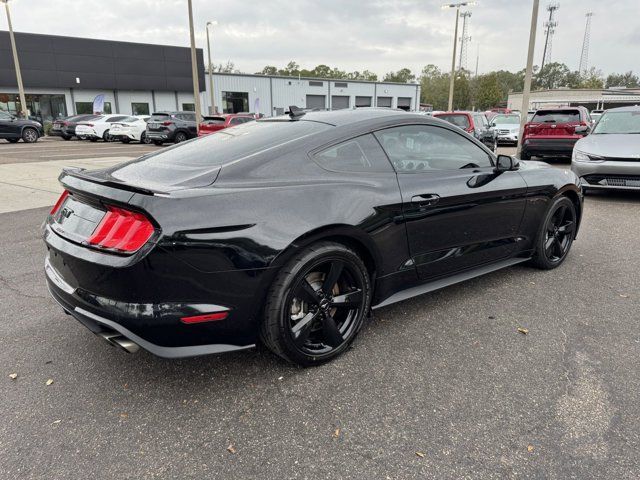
550 26
464 41
23 102
584 56
194 69
213 101
455 45
528 73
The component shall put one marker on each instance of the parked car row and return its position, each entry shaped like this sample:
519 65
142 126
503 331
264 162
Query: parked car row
157 128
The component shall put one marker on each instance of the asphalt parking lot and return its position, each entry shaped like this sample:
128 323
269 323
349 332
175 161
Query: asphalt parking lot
440 386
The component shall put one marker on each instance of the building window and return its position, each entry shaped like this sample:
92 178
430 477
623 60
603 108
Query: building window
313 83
42 108
341 84
85 108
139 108
188 107
235 102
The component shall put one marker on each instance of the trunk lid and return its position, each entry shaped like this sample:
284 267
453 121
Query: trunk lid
159 121
554 123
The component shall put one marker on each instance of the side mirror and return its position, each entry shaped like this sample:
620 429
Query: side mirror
581 130
504 163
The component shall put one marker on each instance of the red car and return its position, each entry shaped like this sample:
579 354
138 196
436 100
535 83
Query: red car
552 132
215 123
474 123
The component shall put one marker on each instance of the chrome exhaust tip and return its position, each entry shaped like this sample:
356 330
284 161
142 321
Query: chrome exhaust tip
116 340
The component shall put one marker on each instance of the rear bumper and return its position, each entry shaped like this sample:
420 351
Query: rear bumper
165 136
561 147
105 322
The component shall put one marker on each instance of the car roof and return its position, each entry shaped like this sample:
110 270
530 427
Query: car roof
347 116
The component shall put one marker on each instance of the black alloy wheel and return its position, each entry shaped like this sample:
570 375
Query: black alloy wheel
180 137
557 234
317 304
144 139
29 135
106 136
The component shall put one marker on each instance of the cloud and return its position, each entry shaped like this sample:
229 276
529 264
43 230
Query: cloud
378 35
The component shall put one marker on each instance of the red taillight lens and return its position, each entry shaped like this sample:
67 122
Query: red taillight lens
209 317
122 230
60 201
167 123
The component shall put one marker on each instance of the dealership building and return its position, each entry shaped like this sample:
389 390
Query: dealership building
601 98
62 76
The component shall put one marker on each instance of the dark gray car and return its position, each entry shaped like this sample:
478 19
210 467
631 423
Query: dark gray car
173 127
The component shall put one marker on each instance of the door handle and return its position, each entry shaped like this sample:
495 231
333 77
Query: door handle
425 199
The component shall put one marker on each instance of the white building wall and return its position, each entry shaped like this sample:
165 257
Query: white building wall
165 101
127 97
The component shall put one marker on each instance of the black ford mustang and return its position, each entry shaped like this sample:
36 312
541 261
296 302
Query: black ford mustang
289 230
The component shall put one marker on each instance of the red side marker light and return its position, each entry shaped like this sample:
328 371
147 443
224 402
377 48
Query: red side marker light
60 201
208 317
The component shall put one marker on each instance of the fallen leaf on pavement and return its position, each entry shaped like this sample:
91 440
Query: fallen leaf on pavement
336 433
13 376
420 454
55 422
523 330
529 448
622 295
49 382
124 415
231 448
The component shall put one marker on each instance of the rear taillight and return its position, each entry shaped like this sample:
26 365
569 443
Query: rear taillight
166 123
122 230
89 124
59 203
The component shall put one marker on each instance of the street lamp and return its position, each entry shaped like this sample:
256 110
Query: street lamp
455 44
23 101
194 68
213 101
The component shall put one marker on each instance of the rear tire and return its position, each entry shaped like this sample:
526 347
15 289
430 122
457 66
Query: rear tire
555 235
317 304
106 136
30 135
180 137
144 139
525 156
66 137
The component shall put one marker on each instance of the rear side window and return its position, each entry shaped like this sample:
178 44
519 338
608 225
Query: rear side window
458 120
361 154
556 116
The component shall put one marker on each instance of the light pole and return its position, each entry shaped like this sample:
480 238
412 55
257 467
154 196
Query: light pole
16 63
527 76
194 69
213 101
455 45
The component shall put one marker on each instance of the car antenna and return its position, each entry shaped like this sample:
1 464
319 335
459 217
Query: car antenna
295 112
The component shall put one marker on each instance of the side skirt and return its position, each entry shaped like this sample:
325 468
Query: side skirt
445 282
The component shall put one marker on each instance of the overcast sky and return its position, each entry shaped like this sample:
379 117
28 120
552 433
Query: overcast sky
376 35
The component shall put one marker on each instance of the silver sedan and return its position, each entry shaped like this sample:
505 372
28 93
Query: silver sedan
609 158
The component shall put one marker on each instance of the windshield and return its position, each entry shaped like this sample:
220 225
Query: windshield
618 122
506 120
458 120
556 116
195 162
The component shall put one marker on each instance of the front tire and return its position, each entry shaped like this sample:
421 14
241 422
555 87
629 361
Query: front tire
556 234
317 304
29 135
180 137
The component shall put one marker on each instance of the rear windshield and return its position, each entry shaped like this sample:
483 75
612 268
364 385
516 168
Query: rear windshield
214 120
457 119
160 117
506 120
556 116
117 118
128 119
190 163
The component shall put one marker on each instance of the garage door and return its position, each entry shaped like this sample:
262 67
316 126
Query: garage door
404 103
316 102
363 101
339 102
384 102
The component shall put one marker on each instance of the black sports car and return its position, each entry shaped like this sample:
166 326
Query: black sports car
289 230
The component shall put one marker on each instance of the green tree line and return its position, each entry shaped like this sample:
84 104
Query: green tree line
479 92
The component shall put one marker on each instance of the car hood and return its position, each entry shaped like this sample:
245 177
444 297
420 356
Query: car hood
610 145
533 165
